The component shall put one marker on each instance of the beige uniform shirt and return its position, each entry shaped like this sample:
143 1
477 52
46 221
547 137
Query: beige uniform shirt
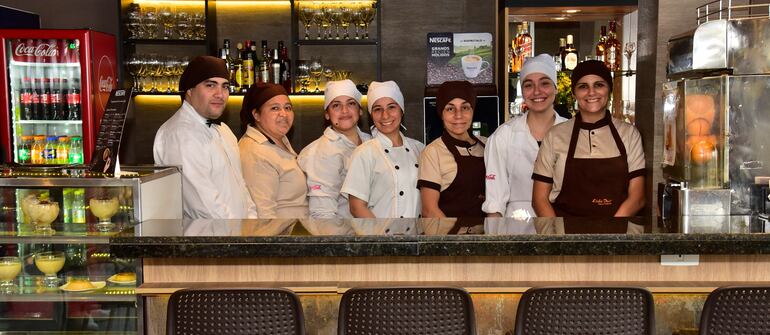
274 179
438 168
594 143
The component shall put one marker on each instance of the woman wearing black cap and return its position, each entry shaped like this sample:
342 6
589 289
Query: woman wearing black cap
591 165
274 179
451 177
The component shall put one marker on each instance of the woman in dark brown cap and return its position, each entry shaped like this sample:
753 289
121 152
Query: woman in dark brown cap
451 177
593 164
274 179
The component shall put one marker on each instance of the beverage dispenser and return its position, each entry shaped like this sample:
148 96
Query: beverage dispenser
716 153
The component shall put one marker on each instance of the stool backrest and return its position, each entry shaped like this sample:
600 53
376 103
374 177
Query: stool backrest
234 311
737 310
585 310
406 310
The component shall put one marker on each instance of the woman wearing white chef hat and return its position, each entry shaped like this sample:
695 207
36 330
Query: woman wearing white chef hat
326 160
382 178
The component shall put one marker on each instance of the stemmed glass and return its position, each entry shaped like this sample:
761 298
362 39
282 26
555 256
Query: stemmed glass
316 70
150 22
629 52
366 16
134 64
183 24
50 263
10 267
104 209
335 16
355 19
303 75
318 19
168 20
328 73
305 14
199 26
346 16
134 21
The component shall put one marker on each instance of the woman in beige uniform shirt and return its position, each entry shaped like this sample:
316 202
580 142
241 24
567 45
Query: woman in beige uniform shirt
274 179
591 165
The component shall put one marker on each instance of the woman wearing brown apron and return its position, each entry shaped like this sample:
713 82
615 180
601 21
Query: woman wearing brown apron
451 176
591 165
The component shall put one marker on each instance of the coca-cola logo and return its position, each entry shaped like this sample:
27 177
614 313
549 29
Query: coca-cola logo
106 84
40 50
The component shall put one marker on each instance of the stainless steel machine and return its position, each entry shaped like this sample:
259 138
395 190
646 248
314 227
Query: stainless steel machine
716 116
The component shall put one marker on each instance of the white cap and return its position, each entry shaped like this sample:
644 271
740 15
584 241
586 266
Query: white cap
337 88
387 89
542 63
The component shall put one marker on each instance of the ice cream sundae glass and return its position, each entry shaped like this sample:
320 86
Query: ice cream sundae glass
25 203
49 263
104 209
42 214
10 267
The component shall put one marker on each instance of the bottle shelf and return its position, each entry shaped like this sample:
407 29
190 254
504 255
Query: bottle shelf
65 122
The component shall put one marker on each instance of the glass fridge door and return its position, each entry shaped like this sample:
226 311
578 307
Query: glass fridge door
46 114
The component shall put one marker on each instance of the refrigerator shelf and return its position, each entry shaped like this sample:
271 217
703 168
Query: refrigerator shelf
26 64
49 122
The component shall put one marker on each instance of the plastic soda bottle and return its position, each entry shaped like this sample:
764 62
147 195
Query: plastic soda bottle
36 154
50 150
62 150
76 150
25 150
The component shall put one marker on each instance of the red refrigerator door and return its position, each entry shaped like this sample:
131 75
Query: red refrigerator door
56 83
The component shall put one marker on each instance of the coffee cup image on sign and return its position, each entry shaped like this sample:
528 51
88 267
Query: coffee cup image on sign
473 65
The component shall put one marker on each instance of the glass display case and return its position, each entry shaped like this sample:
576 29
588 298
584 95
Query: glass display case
57 273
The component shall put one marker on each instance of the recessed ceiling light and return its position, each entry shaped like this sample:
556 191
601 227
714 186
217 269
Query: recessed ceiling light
560 18
572 11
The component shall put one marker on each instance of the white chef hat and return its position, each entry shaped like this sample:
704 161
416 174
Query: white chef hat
542 63
387 89
337 88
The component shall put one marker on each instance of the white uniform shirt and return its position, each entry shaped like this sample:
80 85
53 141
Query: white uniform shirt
386 177
510 157
326 162
212 182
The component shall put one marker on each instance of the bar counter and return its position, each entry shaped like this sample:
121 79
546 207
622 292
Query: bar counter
494 259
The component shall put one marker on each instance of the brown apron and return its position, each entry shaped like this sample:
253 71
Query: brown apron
465 195
593 186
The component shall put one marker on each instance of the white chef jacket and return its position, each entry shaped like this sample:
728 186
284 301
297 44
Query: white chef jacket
510 157
212 182
386 177
325 162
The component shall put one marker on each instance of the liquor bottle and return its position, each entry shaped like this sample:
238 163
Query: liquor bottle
224 53
285 66
562 46
612 49
516 50
248 68
525 43
600 45
238 65
275 68
265 50
570 55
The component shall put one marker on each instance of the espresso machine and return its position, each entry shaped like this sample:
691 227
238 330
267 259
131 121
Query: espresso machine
716 118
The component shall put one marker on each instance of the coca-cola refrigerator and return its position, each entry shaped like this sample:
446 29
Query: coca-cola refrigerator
56 84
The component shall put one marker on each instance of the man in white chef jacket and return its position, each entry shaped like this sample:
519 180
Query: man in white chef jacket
207 150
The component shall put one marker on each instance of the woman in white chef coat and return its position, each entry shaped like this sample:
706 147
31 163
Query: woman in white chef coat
276 183
592 165
382 178
511 150
326 160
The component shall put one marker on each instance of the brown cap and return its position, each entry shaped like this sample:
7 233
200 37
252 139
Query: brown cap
454 89
255 98
594 67
200 69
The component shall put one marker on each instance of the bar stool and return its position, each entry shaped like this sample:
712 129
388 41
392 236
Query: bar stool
585 310
235 311
737 310
406 310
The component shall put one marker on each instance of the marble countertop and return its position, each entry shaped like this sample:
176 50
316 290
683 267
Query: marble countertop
442 237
